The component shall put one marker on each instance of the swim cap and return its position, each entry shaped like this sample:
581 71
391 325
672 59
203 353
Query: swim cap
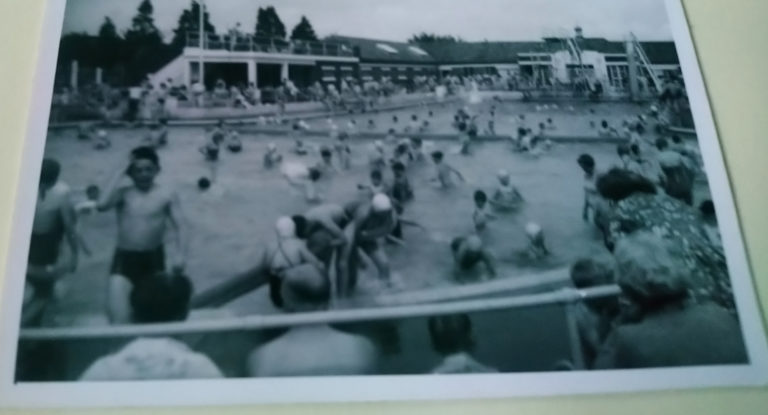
102 133
532 229
654 108
378 144
381 203
285 227
272 146
503 174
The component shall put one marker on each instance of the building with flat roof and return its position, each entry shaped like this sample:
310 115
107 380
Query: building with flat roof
554 60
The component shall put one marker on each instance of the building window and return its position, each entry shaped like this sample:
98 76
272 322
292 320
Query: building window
618 76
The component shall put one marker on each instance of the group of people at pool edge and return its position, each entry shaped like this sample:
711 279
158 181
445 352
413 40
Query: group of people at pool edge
669 260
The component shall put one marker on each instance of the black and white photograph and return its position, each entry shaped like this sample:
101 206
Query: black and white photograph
372 200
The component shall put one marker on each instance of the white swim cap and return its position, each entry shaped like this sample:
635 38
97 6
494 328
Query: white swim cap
285 227
381 203
102 133
503 174
532 229
654 108
378 144
272 146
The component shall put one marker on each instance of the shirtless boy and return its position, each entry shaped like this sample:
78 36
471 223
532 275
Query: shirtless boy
54 221
444 171
146 211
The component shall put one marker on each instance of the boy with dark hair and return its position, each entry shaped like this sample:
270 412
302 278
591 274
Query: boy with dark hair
482 215
145 212
54 221
444 171
451 337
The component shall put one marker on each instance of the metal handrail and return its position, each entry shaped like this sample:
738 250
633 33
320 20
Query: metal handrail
253 43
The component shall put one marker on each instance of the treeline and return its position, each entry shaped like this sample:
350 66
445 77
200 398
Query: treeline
140 50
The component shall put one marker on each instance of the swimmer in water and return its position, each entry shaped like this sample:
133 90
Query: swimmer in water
325 165
481 215
551 124
537 247
445 171
219 134
210 152
376 157
299 148
343 151
234 144
468 252
377 183
272 158
102 141
506 197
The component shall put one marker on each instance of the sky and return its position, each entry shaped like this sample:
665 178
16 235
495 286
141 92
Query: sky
397 20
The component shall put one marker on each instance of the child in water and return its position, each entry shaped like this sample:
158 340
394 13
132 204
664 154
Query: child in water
506 197
234 144
537 247
445 171
482 215
102 140
343 152
272 157
299 148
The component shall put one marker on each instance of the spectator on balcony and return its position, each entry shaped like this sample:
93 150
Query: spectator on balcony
234 36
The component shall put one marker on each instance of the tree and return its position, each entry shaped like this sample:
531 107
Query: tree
144 50
189 21
433 38
143 28
268 23
303 31
108 45
107 29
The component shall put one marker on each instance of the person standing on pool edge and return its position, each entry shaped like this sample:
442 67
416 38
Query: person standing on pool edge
144 211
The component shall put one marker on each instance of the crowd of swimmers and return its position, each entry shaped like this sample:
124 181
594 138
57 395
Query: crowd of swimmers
320 253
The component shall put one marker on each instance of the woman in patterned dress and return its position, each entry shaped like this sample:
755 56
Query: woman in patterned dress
636 206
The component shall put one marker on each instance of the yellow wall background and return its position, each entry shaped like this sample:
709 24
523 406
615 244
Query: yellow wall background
730 38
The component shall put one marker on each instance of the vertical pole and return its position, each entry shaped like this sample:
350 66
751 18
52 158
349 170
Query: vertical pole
252 71
187 74
73 75
577 354
633 73
201 72
284 71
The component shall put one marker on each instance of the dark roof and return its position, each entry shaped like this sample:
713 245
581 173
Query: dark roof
661 53
483 52
369 51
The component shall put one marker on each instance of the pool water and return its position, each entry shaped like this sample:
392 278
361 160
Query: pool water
230 223
575 119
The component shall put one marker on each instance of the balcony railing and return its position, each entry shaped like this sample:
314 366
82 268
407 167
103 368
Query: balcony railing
250 43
